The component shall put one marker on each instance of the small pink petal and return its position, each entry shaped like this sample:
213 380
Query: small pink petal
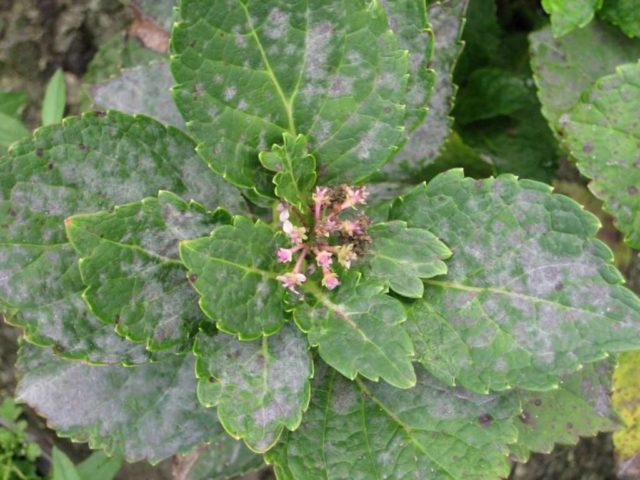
330 280
284 255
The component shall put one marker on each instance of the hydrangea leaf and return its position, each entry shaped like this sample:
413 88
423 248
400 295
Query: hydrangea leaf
626 395
295 170
623 13
602 133
262 391
234 271
424 144
564 69
491 92
580 407
408 20
357 330
223 459
334 74
521 143
131 267
404 256
530 295
87 164
140 89
146 412
567 15
12 102
361 430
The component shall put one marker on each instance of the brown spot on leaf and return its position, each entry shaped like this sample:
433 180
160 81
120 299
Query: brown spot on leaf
100 114
39 152
537 402
50 166
82 147
150 34
569 425
12 212
193 277
632 190
525 417
587 147
485 419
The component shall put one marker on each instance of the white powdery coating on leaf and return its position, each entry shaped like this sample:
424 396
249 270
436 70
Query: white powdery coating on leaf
277 25
262 389
161 397
318 39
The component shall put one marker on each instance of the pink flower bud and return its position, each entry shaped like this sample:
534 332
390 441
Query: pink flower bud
323 258
285 255
330 280
320 196
291 280
355 196
284 215
350 228
297 235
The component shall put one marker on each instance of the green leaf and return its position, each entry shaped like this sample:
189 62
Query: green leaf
356 328
580 407
141 89
491 92
333 74
530 295
9 410
362 430
567 15
626 395
483 39
424 144
623 13
295 170
234 271
264 388
99 466
86 164
497 111
404 256
565 68
130 265
222 460
12 102
602 134
408 20
11 130
55 98
521 143
63 467
146 412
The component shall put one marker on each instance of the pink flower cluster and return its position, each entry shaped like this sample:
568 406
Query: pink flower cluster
330 237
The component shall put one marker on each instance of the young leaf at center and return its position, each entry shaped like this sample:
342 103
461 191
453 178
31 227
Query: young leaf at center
295 170
357 329
404 256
